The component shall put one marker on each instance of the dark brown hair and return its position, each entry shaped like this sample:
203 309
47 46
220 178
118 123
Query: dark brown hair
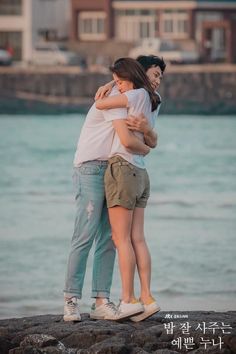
129 69
149 61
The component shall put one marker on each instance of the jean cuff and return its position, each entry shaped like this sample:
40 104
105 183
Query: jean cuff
72 294
100 293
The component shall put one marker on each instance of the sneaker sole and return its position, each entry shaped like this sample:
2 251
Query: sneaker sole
144 315
71 319
125 317
94 317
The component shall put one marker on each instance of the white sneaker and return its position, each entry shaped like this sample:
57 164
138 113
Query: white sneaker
106 311
71 310
129 309
149 309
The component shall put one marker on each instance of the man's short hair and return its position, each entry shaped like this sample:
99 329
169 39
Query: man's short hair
149 61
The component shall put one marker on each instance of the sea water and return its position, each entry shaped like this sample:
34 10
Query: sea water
190 221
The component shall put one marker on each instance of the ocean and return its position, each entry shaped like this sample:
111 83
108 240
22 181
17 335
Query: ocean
190 219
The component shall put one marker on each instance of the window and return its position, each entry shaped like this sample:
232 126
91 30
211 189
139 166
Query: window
47 34
175 24
132 25
168 26
201 17
91 25
12 40
144 30
10 7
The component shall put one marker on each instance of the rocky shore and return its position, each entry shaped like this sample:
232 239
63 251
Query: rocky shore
164 333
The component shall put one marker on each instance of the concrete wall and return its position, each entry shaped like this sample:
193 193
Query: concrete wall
185 90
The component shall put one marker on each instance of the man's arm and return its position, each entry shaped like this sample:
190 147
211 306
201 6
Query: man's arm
150 138
104 90
141 124
128 139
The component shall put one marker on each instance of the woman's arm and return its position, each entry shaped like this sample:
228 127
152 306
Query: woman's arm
131 142
117 101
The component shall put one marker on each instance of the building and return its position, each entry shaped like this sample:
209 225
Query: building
23 23
207 25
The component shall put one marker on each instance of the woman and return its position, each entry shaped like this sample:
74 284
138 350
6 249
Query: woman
91 218
127 188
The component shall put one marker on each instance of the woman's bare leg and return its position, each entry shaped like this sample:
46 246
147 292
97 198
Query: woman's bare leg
121 222
143 258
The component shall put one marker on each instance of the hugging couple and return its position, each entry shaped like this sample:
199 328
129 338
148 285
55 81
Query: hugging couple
111 192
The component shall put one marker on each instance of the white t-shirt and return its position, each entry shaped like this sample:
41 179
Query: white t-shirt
97 134
155 113
138 102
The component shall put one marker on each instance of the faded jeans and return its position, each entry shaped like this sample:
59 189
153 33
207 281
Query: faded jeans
91 225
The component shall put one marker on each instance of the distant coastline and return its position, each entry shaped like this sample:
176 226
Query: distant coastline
189 89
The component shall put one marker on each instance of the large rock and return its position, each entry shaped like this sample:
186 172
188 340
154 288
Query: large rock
164 333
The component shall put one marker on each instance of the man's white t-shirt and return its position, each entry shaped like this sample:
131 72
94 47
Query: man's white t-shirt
138 102
97 134
155 113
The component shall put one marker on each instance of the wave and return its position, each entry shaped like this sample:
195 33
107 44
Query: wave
172 202
174 292
171 291
223 202
181 202
194 218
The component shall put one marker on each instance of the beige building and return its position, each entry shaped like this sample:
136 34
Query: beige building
25 22
207 25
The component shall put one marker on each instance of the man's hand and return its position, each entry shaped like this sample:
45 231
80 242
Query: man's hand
104 91
139 123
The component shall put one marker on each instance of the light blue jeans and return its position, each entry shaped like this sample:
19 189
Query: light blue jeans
91 224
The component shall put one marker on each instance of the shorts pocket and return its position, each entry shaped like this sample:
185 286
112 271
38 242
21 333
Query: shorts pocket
127 170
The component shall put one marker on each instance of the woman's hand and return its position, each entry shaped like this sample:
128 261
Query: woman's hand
104 91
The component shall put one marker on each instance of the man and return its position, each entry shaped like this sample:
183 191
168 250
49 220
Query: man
92 224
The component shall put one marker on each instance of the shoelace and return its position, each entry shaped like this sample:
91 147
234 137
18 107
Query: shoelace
118 307
71 306
111 306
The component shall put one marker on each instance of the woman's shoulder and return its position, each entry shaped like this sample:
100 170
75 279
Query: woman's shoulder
143 94
142 91
139 93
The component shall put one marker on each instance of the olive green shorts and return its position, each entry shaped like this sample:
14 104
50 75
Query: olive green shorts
125 184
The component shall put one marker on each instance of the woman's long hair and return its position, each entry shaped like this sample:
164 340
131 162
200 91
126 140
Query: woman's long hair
129 69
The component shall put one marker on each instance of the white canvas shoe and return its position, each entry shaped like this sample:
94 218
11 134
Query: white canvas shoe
129 309
106 311
149 309
71 310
